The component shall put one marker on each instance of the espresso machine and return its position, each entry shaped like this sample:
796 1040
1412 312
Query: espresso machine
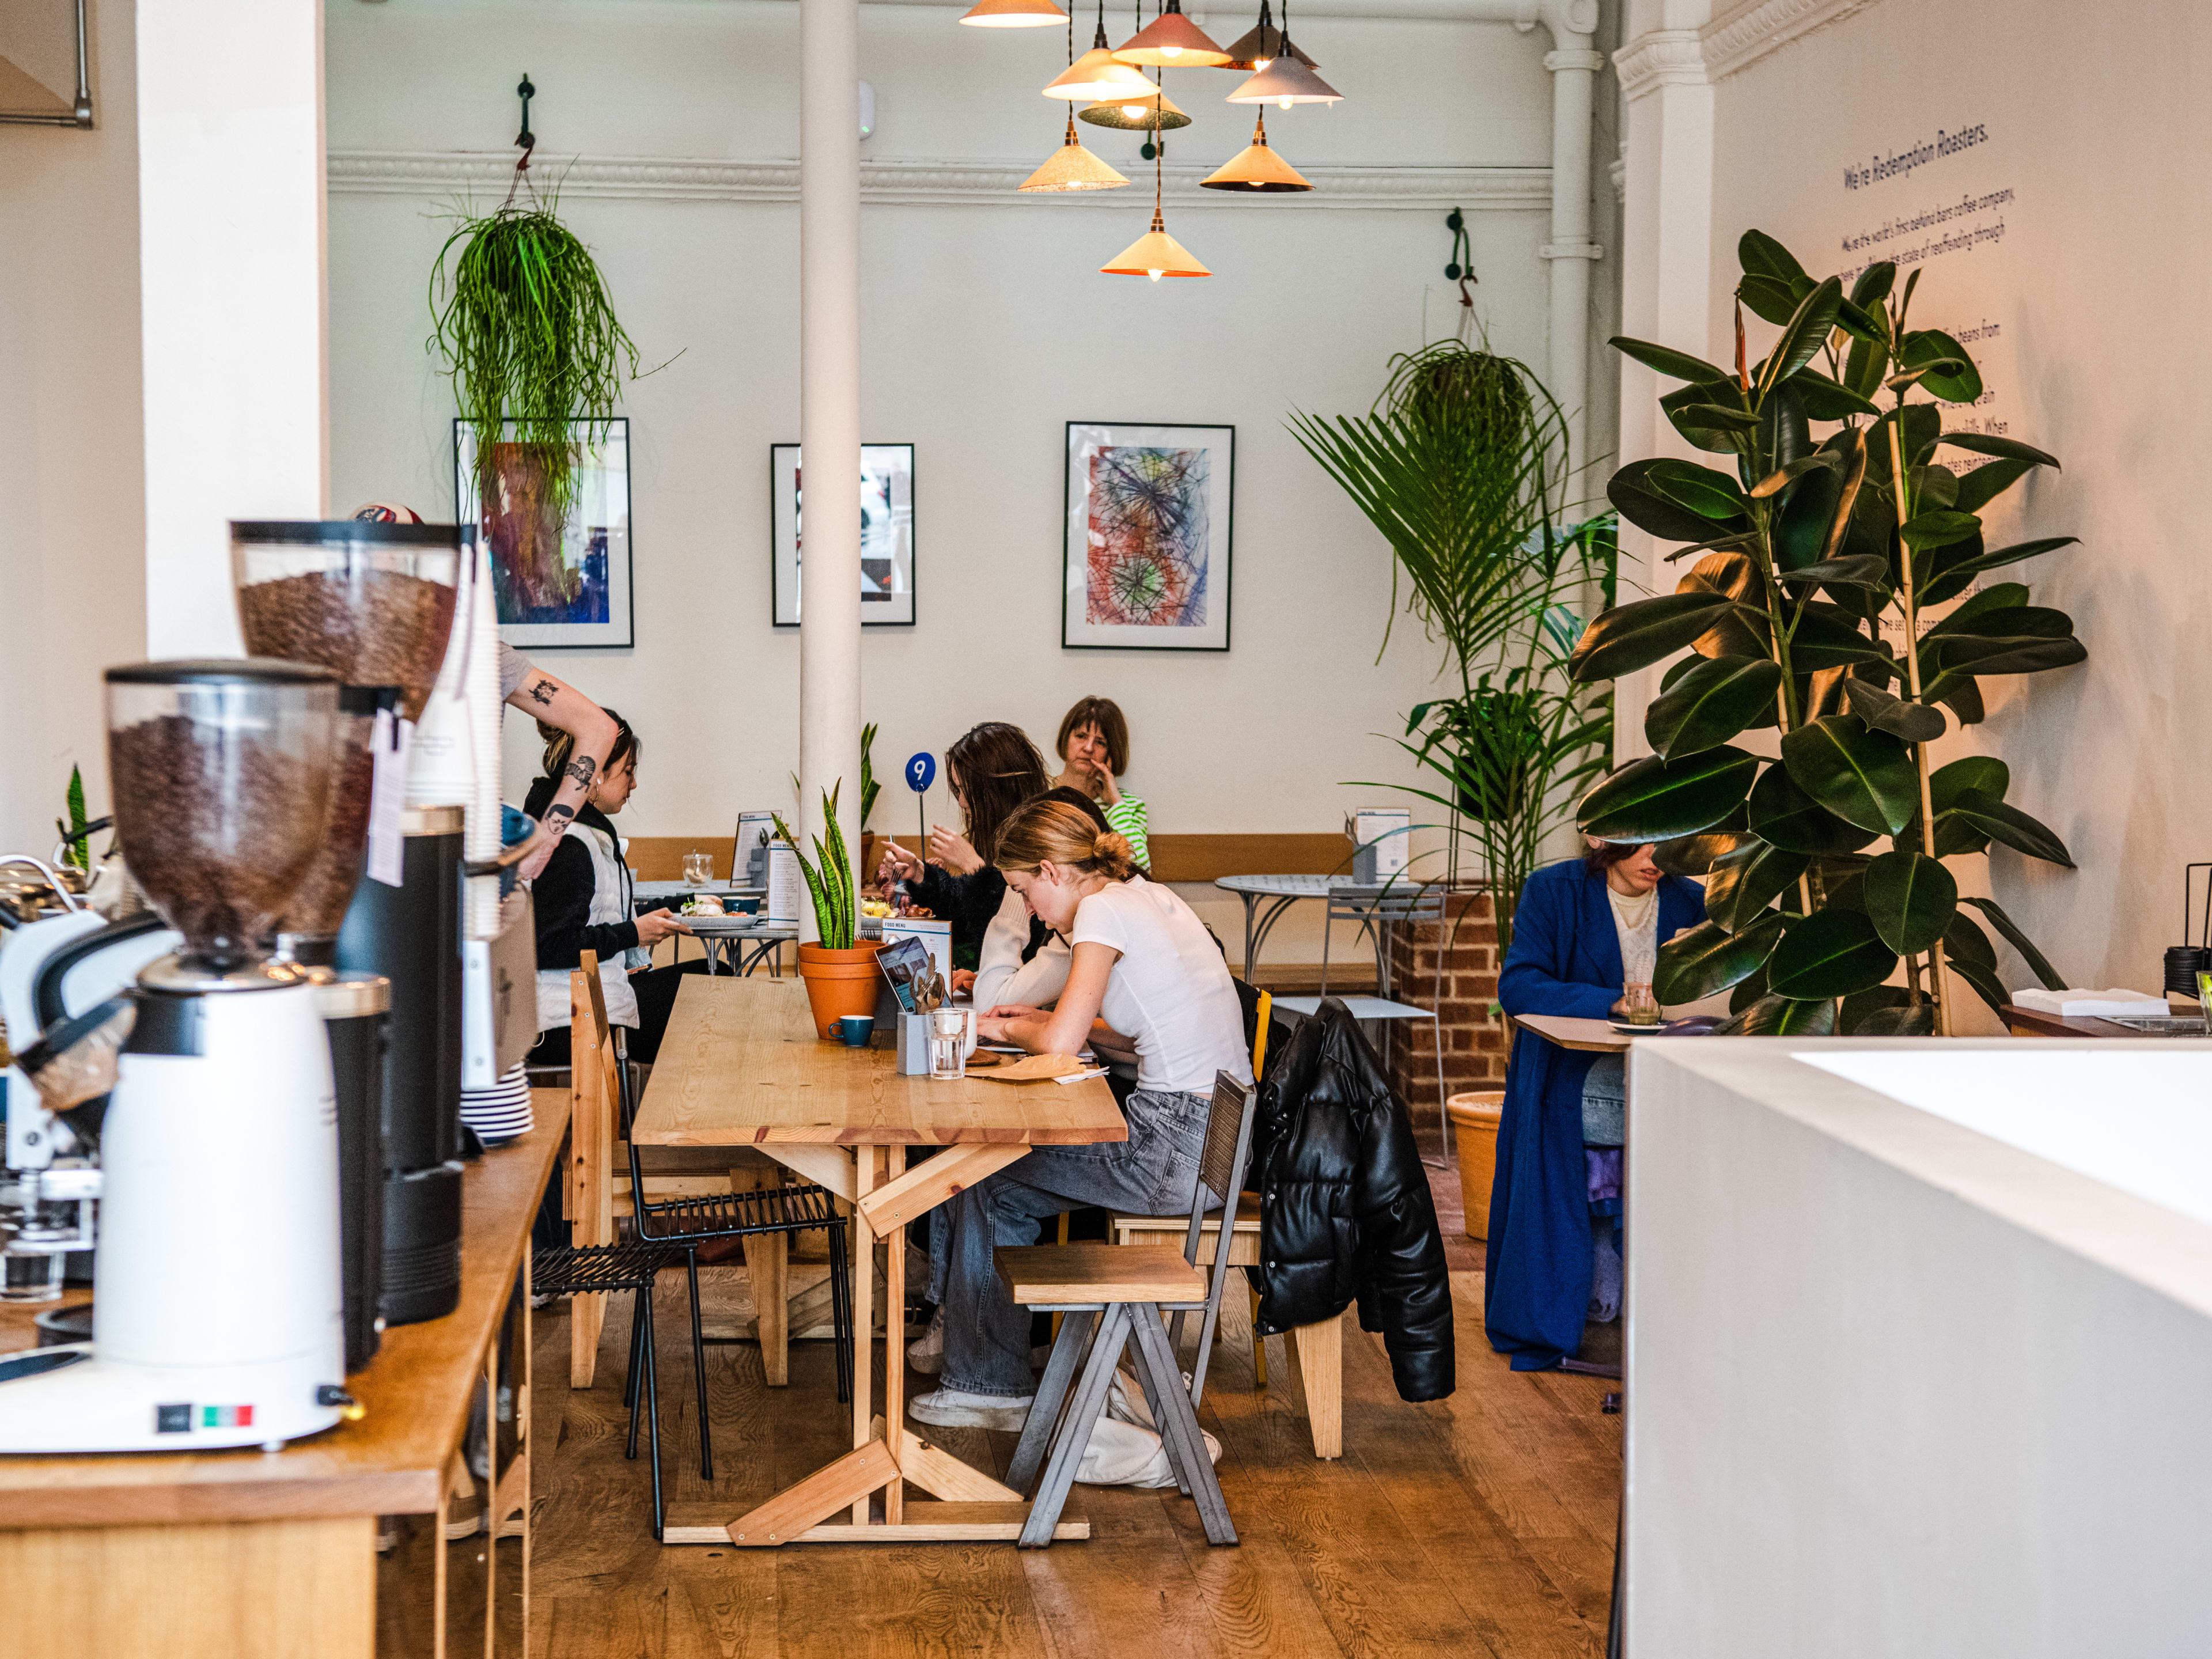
217 1321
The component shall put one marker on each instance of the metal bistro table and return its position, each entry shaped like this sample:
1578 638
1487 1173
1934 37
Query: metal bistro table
742 1065
1379 905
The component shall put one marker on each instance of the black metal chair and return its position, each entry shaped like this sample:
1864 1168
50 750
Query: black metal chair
685 1223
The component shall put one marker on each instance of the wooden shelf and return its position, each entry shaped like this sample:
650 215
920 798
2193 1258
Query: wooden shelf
415 1391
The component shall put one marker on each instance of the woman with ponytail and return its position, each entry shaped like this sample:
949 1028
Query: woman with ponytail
1144 976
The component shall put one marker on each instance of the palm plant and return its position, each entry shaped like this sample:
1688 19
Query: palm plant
1461 465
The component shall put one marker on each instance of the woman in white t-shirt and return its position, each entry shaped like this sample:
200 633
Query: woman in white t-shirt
1144 976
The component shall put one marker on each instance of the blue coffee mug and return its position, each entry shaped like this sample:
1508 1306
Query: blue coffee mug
856 1030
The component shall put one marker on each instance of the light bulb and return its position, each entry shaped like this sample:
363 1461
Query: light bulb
1136 110
1262 62
1170 51
1284 102
1154 275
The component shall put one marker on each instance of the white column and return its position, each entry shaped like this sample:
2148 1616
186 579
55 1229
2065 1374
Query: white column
1571 252
233 295
830 413
1666 275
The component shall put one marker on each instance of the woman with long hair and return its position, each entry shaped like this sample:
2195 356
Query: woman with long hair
1143 966
991 770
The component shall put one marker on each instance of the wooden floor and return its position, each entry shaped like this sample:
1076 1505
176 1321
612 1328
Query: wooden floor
1481 1524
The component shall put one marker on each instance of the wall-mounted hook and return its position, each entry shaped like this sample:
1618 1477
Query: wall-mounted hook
526 138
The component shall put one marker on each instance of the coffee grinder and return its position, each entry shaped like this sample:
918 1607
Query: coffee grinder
217 1322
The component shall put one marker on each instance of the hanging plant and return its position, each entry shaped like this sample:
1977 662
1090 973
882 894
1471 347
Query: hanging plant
528 335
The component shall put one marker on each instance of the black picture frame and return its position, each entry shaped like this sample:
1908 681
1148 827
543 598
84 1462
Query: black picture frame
619 631
1082 634
783 529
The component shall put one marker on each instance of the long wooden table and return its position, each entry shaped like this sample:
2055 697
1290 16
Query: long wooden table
741 1066
228 1554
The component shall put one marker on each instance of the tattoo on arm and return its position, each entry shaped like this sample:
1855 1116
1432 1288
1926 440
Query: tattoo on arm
558 818
582 769
543 692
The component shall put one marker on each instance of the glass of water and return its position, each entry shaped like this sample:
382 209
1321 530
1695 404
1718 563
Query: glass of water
698 869
1638 1006
948 1044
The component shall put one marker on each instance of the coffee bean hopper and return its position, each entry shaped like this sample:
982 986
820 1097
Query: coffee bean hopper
217 1321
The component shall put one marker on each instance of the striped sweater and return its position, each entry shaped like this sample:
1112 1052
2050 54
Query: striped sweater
1131 820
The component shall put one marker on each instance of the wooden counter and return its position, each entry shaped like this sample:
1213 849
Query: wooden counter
237 1553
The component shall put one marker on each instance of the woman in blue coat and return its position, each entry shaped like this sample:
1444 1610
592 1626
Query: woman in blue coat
1569 931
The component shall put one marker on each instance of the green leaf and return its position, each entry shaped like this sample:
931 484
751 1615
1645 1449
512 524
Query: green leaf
1951 375
1711 494
1863 777
1695 855
1905 1019
1717 417
1633 498
1760 255
2012 827
1637 635
1774 482
1977 489
1874 284
1976 963
1972 773
1753 876
1786 816
1910 900
1718 697
1938 529
1831 953
1710 957
1680 404
1823 639
2038 963
1803 336
1741 632
1831 400
1963 941
1676 365
1769 298
1857 570
2002 556
1914 722
1774 1016
1874 1000
1865 367
2011 448
1750 991
1652 799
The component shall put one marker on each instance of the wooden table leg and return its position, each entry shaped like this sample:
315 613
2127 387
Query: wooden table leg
1316 1353
868 1178
768 1257
894 1340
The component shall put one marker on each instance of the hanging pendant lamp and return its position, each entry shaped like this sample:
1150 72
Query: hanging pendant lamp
1095 74
1073 167
1171 40
1155 254
1012 14
1259 45
1257 167
1154 113
1287 81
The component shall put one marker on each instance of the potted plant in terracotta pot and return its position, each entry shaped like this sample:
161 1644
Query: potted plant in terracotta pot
840 969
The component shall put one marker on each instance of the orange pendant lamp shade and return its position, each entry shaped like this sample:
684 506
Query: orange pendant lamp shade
1014 13
1156 113
1171 40
1257 167
1095 74
1155 254
1287 81
1073 167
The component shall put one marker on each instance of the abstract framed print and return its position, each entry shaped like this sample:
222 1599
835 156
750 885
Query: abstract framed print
558 585
886 535
1146 549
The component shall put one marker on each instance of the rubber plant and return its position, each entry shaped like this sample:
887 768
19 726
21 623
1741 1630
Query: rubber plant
1461 466
527 333
829 878
1825 869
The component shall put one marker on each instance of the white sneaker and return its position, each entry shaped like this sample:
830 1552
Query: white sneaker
926 1353
950 1408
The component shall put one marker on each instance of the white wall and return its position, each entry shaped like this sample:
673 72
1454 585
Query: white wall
2092 126
72 525
1901 1388
985 328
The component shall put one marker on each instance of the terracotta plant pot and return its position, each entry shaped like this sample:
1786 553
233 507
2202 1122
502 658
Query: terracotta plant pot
839 982
1474 1122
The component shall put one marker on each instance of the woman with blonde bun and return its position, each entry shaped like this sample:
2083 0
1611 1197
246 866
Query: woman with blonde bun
1144 977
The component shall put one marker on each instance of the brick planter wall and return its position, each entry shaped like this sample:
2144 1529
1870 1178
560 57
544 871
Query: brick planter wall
1474 1036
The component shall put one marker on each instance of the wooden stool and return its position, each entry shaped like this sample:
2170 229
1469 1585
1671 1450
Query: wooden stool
1475 1117
1316 1352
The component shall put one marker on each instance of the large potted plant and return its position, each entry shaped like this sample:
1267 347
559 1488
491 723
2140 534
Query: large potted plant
527 333
1835 605
1461 465
839 969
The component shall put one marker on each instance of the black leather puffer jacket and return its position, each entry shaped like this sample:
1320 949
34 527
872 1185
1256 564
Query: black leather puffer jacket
1344 1208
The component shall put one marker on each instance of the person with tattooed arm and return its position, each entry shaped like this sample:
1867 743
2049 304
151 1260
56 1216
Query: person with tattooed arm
552 702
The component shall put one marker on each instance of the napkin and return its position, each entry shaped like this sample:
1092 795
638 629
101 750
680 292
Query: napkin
1037 1068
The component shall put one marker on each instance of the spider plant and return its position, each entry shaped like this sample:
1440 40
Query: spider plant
1461 465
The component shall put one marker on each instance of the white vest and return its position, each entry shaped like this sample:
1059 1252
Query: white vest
610 902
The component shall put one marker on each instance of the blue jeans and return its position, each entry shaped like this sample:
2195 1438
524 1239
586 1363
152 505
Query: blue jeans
1154 1172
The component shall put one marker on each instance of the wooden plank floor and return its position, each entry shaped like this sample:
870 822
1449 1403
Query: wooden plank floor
1481 1525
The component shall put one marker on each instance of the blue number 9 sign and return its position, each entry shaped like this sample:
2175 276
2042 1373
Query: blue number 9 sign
920 772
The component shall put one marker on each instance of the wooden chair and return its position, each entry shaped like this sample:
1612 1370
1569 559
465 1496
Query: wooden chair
1132 1287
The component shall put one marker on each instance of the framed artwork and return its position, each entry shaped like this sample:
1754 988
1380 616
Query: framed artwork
886 534
558 585
1146 552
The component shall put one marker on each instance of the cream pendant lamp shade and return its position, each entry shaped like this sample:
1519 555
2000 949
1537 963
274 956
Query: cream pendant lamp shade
1155 254
1095 74
1154 113
1171 40
1012 14
1285 81
1257 167
1073 167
